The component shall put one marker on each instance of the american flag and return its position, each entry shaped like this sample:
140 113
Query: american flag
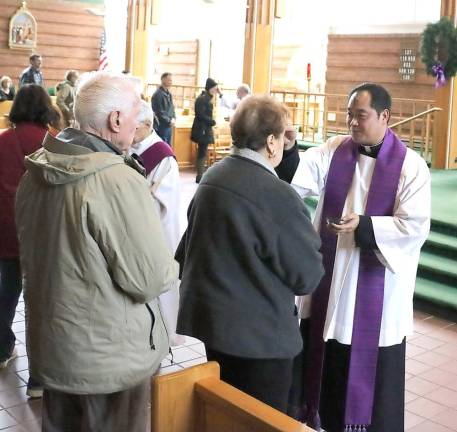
103 59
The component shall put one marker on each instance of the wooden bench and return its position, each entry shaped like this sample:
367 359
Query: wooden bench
5 108
196 400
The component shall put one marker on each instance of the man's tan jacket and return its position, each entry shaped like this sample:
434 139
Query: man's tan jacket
92 254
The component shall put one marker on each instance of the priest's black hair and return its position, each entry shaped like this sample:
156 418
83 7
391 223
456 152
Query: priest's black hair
380 97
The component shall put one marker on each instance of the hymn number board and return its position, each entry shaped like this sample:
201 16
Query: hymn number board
407 69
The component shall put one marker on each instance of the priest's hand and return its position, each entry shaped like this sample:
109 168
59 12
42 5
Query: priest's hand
290 136
348 224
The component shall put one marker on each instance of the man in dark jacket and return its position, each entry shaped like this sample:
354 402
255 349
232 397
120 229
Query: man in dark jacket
162 105
202 128
33 74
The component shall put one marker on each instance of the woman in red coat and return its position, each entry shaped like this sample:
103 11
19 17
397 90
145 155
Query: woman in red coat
30 115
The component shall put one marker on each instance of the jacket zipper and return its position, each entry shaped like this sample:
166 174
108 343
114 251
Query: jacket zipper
151 338
166 331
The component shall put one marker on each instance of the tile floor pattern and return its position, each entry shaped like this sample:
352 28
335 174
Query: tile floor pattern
431 370
431 377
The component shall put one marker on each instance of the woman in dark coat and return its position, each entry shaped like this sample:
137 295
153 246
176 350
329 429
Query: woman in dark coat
202 128
249 249
30 116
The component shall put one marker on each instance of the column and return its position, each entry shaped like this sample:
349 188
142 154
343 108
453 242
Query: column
141 16
260 16
444 155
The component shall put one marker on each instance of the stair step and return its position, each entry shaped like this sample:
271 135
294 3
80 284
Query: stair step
443 239
438 268
441 244
444 227
437 293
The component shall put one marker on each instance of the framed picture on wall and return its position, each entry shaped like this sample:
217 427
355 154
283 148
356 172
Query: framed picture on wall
23 29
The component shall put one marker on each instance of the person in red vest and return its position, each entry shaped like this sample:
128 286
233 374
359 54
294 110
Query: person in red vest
30 116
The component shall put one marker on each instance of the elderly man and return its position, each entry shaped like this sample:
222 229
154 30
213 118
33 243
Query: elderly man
231 103
94 260
66 96
162 105
373 217
33 74
163 176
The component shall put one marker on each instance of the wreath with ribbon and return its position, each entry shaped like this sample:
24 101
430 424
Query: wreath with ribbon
439 50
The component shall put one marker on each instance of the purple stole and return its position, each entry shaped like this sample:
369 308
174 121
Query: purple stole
155 154
370 285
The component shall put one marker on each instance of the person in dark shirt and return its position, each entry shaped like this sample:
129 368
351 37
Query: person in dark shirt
163 108
33 74
202 127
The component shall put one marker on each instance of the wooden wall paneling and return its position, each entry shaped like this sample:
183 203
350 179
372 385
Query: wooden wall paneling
352 59
380 75
178 57
399 90
68 38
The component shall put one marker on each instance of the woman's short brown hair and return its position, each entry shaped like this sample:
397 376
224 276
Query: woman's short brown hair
255 119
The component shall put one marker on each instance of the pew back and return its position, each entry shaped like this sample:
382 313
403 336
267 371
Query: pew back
196 400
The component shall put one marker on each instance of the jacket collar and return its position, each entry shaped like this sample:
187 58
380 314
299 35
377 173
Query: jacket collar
254 156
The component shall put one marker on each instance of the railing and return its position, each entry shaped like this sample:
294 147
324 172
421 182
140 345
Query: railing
318 116
183 96
423 141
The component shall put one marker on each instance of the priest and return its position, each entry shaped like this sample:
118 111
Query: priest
373 217
162 173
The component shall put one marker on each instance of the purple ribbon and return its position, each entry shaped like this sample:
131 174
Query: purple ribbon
438 71
370 287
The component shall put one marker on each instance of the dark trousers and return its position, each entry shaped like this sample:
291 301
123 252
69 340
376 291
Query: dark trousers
202 149
389 397
10 290
122 411
164 132
268 380
297 395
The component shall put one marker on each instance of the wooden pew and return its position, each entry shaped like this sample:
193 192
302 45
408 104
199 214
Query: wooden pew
5 108
196 400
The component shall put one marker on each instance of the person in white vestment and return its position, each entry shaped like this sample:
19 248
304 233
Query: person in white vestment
231 103
396 241
163 175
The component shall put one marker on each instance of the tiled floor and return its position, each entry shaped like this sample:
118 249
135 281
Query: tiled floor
431 370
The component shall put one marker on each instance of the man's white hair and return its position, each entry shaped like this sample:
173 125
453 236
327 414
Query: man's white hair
244 87
100 93
146 113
